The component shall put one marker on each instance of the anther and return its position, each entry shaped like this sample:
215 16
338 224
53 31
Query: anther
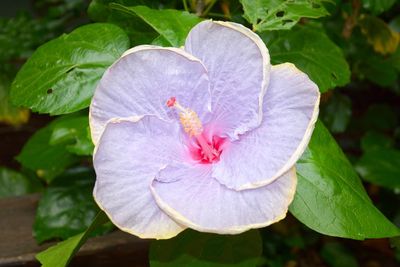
188 118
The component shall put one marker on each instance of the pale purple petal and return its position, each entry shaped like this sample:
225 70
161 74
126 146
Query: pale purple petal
238 65
262 155
128 156
141 82
175 171
200 202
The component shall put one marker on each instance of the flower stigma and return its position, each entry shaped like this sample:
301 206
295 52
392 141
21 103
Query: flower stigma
203 151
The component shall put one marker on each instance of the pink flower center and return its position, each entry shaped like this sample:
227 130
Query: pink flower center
206 151
201 149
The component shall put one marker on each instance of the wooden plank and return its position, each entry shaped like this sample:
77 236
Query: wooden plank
18 247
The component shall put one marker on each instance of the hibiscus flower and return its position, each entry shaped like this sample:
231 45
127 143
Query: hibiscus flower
205 136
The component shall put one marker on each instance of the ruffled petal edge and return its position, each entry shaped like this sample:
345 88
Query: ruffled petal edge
97 129
266 66
233 230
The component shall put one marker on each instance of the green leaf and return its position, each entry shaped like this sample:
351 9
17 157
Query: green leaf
196 249
268 15
377 6
395 59
46 159
395 23
161 41
330 198
73 131
383 39
61 254
381 166
99 10
13 183
311 50
372 119
372 140
19 35
367 64
50 150
66 207
139 32
379 69
173 25
9 113
336 113
62 74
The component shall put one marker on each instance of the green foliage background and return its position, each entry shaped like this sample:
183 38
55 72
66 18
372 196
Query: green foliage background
349 48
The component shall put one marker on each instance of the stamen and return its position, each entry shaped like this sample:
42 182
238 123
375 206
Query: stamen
188 118
192 126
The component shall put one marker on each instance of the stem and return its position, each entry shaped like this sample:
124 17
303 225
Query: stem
351 21
210 5
199 7
185 5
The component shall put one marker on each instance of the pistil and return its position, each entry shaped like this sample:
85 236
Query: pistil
194 128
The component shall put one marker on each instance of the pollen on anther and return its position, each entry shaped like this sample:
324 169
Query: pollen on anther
188 118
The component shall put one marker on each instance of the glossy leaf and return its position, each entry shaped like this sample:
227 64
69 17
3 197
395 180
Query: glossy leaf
267 15
383 39
13 183
173 25
99 10
336 113
8 112
66 207
381 166
139 32
330 198
161 41
307 48
196 249
73 131
377 6
379 69
60 77
46 159
61 254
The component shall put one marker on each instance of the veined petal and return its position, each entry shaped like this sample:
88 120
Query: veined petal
128 156
260 156
200 202
238 65
141 82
